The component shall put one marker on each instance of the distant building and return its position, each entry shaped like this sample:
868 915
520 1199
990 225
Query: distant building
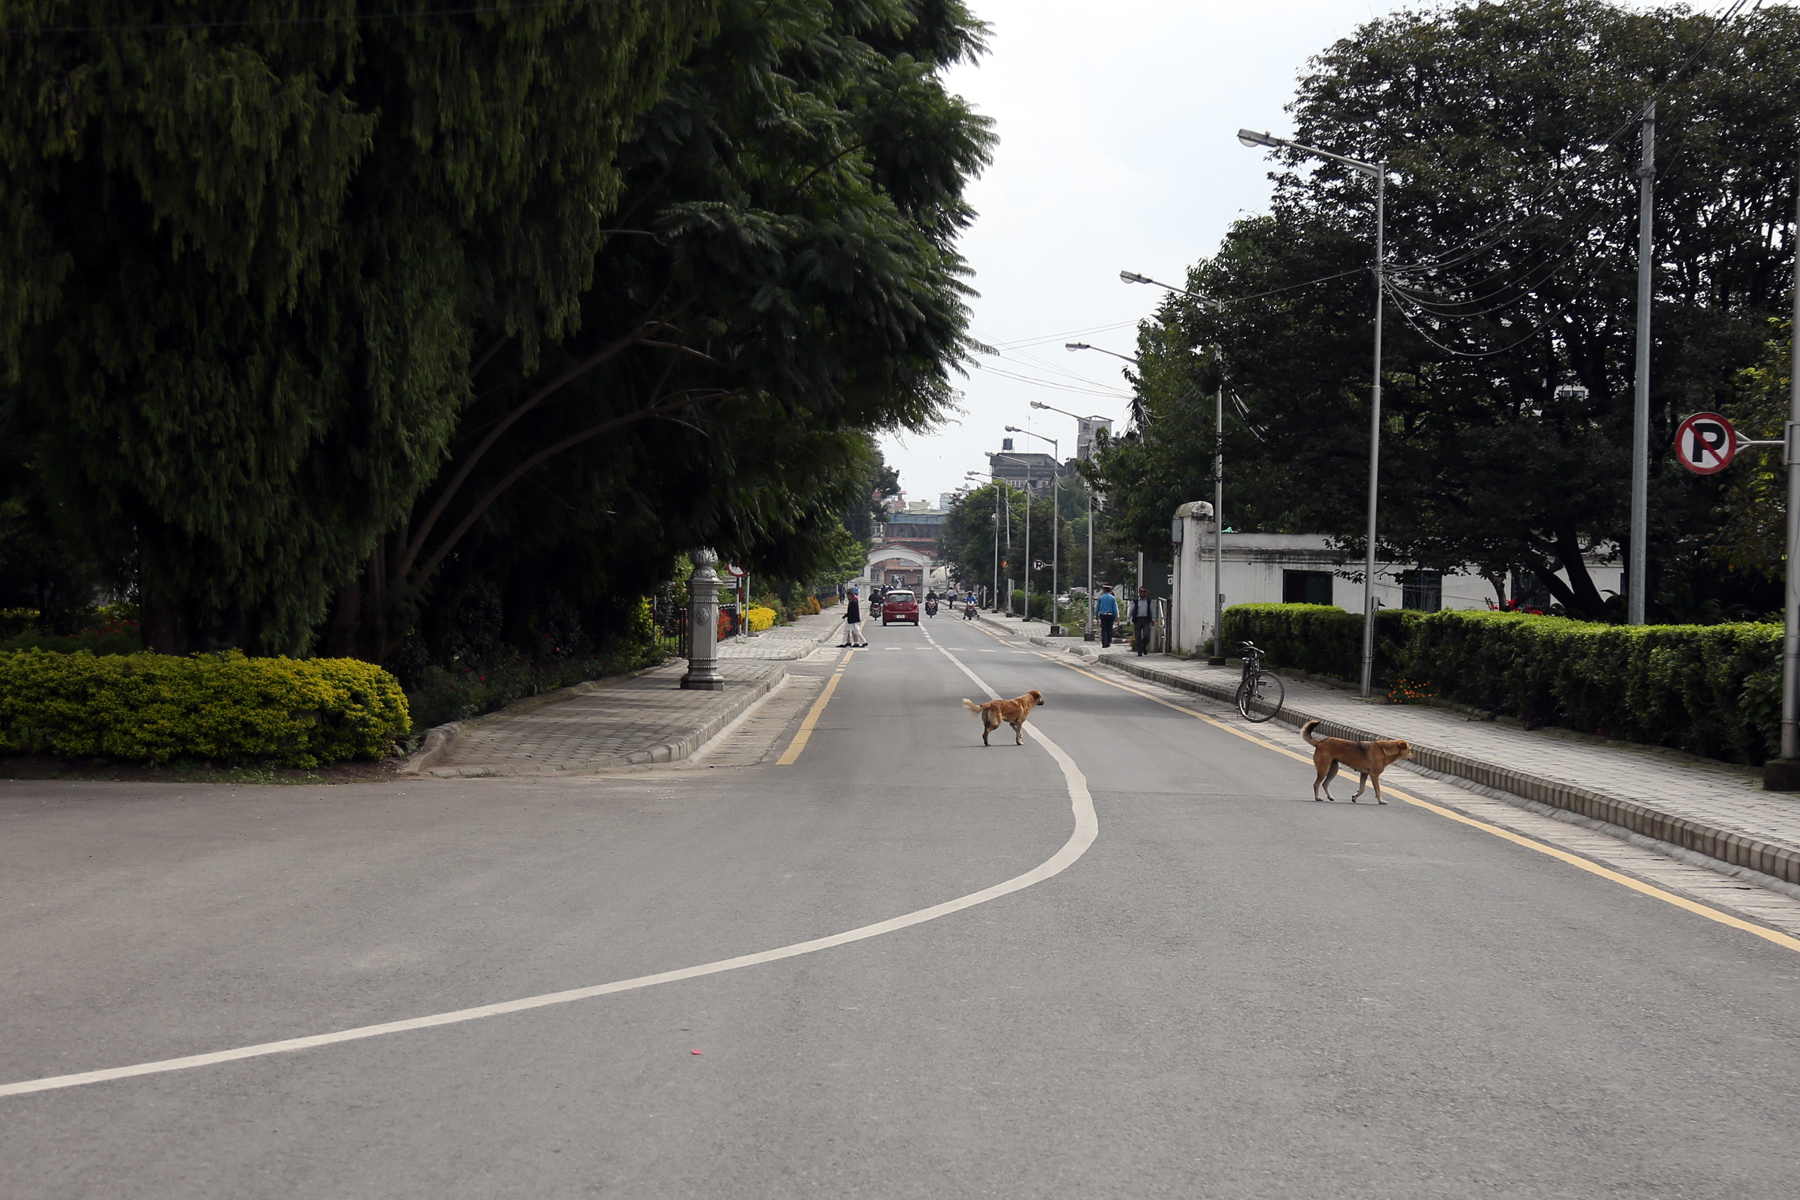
915 531
1085 428
1026 470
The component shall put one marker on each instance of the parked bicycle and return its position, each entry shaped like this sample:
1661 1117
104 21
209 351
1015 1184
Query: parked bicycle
1259 693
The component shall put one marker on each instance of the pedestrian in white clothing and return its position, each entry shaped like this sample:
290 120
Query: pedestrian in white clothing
853 623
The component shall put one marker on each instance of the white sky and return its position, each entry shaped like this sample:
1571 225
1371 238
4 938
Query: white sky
1118 150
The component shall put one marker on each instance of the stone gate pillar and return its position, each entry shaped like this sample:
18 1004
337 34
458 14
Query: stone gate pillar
703 626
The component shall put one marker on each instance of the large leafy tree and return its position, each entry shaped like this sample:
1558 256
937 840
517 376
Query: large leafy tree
778 280
1510 131
255 253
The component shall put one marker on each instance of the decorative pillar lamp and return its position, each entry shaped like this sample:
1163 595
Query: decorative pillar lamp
703 626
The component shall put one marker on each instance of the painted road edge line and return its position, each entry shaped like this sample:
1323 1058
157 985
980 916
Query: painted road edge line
1783 940
1087 828
812 717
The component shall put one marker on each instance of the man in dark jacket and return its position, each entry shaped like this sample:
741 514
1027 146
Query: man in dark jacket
1142 617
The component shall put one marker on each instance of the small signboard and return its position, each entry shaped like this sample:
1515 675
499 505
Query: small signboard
1706 443
735 571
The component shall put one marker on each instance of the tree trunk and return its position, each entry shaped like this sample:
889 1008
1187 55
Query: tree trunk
346 620
1579 593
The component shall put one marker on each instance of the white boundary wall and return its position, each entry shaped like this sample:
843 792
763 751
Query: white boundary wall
1254 563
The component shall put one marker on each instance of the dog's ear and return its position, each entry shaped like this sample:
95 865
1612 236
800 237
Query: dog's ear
1037 695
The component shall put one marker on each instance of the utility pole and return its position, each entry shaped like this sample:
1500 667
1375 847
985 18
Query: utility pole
1218 654
1088 632
1640 409
1368 664
996 595
1783 775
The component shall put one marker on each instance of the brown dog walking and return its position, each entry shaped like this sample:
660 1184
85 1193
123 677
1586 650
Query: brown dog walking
996 713
1367 759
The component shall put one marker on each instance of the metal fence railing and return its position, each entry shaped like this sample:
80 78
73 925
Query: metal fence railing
669 612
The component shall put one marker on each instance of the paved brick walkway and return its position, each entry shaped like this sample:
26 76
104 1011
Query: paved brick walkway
1715 808
641 719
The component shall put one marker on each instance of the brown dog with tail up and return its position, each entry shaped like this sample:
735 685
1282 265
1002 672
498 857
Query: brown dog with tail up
996 713
1367 759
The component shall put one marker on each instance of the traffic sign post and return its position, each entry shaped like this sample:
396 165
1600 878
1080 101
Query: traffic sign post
1706 443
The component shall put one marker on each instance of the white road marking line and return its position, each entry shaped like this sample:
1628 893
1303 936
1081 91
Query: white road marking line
1087 828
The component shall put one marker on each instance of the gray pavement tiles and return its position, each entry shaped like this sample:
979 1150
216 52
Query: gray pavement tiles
642 718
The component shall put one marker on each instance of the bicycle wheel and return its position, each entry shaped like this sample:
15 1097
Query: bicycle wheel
1260 697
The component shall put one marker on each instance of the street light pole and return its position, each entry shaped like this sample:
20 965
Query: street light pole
1027 465
1784 773
1377 172
1055 519
1217 658
1640 408
977 475
1088 626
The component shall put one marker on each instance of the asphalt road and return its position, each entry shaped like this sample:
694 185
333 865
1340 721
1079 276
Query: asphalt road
1233 992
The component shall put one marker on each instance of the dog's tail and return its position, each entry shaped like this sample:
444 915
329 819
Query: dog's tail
971 705
1306 731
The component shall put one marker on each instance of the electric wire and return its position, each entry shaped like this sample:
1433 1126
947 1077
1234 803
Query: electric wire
1400 307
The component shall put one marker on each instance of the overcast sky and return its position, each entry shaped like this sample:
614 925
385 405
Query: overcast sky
1118 150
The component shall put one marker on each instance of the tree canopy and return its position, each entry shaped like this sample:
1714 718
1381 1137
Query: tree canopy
1511 136
346 315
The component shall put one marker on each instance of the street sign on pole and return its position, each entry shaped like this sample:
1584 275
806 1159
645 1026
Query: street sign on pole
1706 443
734 570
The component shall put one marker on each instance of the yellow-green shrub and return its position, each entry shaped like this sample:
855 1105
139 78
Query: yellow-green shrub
760 618
299 712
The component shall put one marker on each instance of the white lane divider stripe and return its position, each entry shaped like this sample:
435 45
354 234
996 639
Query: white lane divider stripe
1087 828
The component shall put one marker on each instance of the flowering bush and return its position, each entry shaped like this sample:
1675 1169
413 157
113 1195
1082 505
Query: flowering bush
213 706
759 618
1408 691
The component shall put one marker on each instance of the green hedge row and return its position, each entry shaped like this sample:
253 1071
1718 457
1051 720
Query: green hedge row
211 706
1709 689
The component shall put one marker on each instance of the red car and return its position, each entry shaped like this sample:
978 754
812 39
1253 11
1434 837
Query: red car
899 606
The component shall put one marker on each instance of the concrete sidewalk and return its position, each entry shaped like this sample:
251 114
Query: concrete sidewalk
1712 808
626 721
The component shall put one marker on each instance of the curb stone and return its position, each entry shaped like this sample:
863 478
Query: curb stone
1723 845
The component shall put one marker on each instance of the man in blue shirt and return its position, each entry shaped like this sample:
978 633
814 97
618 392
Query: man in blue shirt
1107 609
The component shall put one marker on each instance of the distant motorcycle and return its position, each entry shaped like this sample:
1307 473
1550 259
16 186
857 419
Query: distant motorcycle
931 608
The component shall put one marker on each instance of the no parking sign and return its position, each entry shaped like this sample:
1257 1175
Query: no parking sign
1706 443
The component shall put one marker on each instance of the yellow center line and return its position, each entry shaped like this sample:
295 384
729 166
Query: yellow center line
812 718
1712 914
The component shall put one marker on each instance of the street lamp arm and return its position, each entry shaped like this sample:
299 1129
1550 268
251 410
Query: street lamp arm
1251 137
1134 277
1065 412
1071 346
